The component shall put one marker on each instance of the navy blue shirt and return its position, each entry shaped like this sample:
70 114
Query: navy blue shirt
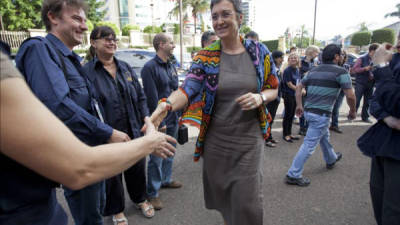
68 99
290 74
159 81
123 99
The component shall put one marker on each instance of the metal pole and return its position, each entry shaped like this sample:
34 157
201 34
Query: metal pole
181 32
315 20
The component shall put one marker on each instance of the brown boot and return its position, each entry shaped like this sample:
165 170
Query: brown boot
173 184
156 202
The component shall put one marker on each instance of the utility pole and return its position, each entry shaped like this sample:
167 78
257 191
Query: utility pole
181 32
315 20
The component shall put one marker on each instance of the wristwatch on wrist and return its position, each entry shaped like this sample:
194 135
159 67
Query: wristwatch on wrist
263 97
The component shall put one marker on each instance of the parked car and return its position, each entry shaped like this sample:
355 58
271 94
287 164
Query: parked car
137 58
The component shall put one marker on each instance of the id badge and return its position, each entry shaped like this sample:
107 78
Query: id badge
97 108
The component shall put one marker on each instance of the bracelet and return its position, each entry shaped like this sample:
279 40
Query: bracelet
169 104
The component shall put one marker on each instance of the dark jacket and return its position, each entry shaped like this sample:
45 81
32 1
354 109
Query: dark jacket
123 99
381 140
160 79
364 77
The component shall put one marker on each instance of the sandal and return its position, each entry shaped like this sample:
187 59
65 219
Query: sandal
118 221
147 209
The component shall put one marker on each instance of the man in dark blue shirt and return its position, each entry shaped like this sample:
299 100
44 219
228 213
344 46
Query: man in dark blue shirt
160 79
54 73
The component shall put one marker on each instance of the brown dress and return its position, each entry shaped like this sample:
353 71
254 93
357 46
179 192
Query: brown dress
233 147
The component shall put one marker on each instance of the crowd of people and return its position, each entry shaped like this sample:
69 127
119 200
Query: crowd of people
90 127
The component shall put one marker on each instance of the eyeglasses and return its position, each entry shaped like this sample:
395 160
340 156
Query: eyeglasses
108 39
224 15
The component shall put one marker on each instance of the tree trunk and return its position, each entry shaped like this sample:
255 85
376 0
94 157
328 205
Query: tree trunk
195 23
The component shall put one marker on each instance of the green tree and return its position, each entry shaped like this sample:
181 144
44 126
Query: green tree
109 24
383 35
127 28
244 29
198 8
90 25
21 14
95 14
361 38
152 29
395 13
363 27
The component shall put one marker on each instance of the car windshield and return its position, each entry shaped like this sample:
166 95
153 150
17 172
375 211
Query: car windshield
136 59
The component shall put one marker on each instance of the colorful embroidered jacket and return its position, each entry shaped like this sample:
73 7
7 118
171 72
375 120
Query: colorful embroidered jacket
201 84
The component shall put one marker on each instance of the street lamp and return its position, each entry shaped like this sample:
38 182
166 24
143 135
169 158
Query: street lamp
315 20
181 32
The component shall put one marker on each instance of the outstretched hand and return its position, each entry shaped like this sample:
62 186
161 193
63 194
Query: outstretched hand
160 143
158 115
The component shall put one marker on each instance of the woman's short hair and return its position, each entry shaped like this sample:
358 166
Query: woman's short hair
237 5
97 33
311 49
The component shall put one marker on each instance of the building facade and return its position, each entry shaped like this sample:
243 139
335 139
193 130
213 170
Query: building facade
249 13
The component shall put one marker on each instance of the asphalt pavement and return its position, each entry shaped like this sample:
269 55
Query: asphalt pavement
335 197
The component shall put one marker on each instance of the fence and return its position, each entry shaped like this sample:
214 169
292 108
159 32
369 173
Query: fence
14 38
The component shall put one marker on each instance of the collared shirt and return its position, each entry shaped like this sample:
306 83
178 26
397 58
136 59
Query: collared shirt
123 99
323 85
159 81
67 97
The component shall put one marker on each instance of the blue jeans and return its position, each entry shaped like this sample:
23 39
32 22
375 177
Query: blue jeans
317 132
159 170
336 107
87 204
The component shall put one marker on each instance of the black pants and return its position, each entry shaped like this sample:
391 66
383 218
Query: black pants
290 107
135 179
385 190
272 107
364 91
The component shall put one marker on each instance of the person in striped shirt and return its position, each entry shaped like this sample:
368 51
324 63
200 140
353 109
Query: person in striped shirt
323 83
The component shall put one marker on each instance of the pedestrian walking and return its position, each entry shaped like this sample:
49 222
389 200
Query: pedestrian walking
230 81
323 84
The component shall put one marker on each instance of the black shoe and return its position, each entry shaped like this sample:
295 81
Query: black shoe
366 120
331 165
302 182
336 129
303 132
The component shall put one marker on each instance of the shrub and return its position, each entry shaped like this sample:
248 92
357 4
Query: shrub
383 35
113 26
127 28
191 49
361 38
152 29
271 44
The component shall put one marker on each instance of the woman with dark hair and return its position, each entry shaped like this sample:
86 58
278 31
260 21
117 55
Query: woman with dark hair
125 108
229 83
290 78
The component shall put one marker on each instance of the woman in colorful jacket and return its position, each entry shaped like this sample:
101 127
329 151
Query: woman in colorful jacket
227 89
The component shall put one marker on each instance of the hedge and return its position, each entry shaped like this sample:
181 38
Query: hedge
109 24
361 38
272 44
127 28
383 35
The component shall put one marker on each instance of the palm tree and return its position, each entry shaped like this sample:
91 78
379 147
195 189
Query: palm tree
198 8
395 13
